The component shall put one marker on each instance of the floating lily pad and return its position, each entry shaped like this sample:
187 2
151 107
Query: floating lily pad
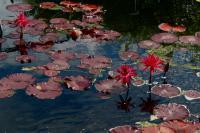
18 80
126 55
157 129
148 44
25 58
3 55
189 39
5 90
62 55
125 129
192 95
45 90
19 7
164 38
109 86
182 126
171 111
166 90
47 5
57 65
78 83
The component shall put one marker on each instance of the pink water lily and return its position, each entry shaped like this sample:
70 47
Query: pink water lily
125 72
153 62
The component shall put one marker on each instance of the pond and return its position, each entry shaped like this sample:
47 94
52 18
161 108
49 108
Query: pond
79 68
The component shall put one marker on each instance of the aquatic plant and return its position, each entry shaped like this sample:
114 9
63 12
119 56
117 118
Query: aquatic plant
125 73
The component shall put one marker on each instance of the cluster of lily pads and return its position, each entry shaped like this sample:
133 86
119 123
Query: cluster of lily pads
121 80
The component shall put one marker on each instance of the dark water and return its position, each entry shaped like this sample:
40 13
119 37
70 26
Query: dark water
85 112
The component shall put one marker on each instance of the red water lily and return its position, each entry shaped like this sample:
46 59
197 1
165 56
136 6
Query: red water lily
125 72
21 20
153 62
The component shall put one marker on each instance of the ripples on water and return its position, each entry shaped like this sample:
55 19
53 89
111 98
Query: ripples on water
78 112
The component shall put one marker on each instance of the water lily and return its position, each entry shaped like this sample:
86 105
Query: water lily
21 20
152 62
125 72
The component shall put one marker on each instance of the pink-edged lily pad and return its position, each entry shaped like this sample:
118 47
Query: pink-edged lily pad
13 35
164 38
97 62
192 95
90 7
126 55
171 111
49 37
182 126
41 47
109 35
45 90
125 129
47 5
3 55
70 3
51 73
18 80
148 44
166 90
58 65
78 83
189 39
138 82
79 23
5 90
109 85
25 58
2 40
58 21
62 26
19 7
157 129
92 19
62 55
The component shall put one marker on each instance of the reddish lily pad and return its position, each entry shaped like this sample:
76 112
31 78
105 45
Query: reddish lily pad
97 62
47 5
70 3
138 82
13 35
125 129
62 55
192 94
57 65
148 44
18 80
3 55
89 7
166 90
49 37
2 40
171 111
126 55
92 18
164 38
187 39
5 90
109 85
19 7
79 23
58 21
25 58
78 83
157 129
182 126
45 90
